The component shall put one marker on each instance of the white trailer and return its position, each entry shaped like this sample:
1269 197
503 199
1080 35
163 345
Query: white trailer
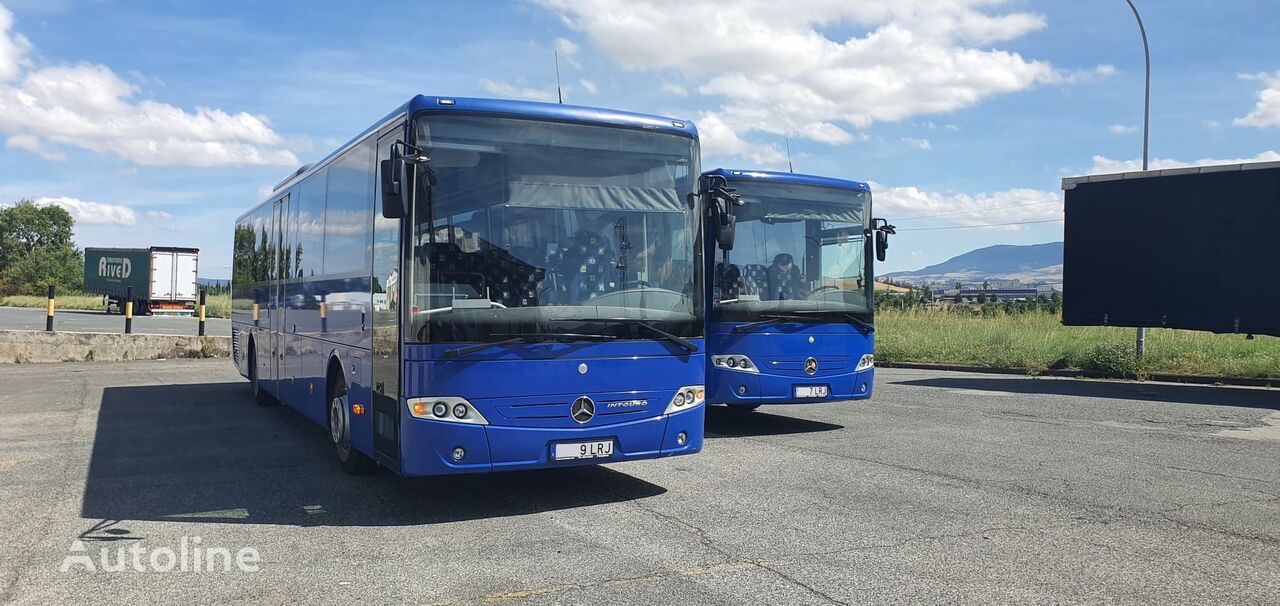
175 276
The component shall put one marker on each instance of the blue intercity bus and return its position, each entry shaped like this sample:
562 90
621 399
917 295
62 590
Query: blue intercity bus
477 285
791 298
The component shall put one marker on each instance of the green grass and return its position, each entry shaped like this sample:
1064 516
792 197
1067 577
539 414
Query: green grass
216 306
1038 341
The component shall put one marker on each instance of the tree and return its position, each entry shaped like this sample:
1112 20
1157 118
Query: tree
60 266
25 227
36 250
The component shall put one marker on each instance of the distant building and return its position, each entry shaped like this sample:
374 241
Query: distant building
993 295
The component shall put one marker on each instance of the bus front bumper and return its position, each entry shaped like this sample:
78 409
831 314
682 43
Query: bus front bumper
754 389
431 444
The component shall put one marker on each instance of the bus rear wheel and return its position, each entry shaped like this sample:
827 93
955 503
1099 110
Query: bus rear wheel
351 460
260 396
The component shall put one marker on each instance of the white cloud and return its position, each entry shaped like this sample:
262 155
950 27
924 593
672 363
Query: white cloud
504 89
588 86
675 89
88 106
13 47
718 139
911 206
779 73
1212 123
1267 111
93 213
1122 129
920 143
1103 165
158 216
34 145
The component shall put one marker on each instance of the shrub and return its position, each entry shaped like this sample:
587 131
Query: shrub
1114 360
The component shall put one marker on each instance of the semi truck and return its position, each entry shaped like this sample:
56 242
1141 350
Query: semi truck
165 279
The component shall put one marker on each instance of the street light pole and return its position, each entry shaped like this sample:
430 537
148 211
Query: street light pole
1141 345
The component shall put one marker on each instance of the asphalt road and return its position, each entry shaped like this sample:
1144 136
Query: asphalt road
67 320
947 487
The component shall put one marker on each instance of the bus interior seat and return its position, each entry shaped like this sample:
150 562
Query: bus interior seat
754 280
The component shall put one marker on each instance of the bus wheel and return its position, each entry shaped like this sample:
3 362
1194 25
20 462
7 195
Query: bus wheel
352 461
260 396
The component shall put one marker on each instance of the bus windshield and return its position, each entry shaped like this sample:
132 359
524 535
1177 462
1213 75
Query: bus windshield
536 226
799 249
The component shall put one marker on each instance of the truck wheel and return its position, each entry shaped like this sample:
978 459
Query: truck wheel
351 460
260 397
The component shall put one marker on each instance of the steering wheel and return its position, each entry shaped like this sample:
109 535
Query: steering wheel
824 289
637 284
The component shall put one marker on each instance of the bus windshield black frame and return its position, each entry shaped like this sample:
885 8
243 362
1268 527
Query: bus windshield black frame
799 249
541 226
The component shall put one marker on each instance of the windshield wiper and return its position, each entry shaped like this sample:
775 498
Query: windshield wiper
855 320
773 317
525 337
682 342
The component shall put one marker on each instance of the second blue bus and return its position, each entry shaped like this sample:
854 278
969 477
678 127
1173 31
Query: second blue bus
791 314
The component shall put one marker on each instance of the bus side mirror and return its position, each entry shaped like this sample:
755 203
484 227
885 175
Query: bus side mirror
395 196
883 231
726 230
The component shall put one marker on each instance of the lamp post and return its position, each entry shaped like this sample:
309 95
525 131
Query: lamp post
1141 346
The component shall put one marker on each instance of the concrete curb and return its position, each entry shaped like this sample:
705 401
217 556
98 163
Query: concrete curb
36 347
1085 374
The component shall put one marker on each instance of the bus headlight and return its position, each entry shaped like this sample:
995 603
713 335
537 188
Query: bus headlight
686 397
735 362
448 409
867 361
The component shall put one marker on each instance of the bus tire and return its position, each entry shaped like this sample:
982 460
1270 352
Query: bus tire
260 396
352 461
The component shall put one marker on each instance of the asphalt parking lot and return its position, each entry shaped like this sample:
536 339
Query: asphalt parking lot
947 487
71 320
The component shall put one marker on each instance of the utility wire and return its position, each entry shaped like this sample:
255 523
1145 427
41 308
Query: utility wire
979 226
977 211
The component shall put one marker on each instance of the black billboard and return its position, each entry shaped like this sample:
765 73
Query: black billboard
1194 248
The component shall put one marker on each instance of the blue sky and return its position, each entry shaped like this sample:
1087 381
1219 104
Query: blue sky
160 122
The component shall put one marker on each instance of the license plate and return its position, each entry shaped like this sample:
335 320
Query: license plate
811 391
597 449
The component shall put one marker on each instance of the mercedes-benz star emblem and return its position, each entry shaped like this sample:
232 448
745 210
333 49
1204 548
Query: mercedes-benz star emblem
810 366
582 410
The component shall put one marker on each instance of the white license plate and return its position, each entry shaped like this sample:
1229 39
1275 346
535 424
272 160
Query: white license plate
811 391
597 449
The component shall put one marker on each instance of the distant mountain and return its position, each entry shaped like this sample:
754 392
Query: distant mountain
1031 264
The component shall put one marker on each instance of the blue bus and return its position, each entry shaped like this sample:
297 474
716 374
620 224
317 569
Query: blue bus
791 298
476 285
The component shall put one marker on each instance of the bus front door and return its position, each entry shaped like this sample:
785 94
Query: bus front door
387 314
